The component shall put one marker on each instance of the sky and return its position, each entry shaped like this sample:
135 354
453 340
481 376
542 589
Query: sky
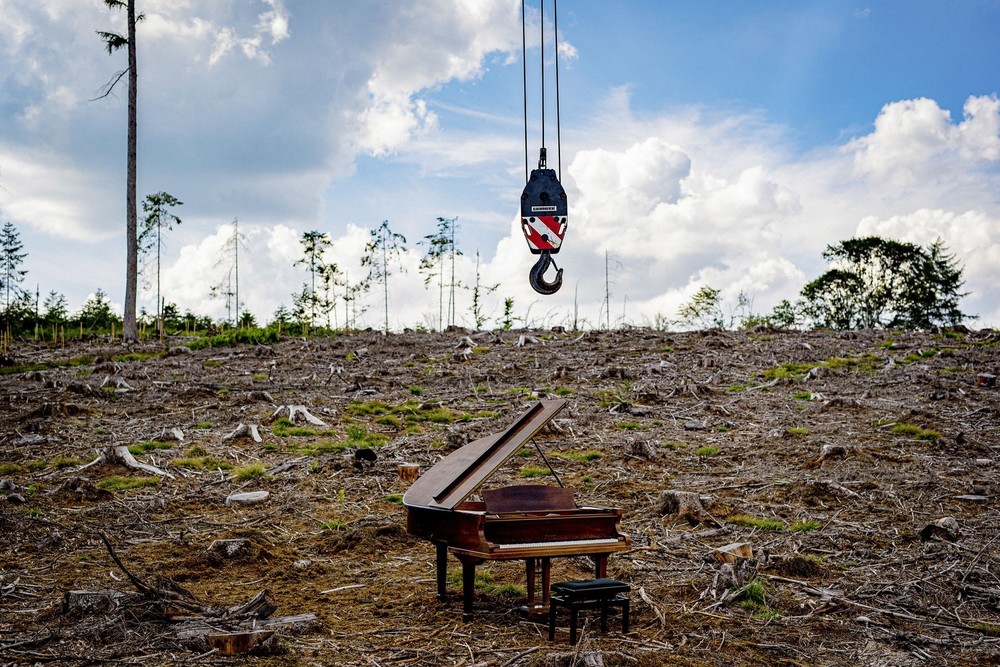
713 143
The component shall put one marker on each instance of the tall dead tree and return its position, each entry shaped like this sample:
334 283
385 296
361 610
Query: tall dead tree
114 41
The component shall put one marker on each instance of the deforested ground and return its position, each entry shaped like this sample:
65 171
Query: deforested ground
858 469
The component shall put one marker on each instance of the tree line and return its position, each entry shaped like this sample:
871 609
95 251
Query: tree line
871 283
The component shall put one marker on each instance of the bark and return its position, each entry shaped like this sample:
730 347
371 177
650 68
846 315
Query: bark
130 332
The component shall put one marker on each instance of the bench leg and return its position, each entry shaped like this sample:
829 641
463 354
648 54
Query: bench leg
552 621
574 616
625 610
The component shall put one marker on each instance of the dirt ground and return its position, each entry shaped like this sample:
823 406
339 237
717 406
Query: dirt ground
830 454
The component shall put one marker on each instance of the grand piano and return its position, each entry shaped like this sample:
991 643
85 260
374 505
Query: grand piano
531 522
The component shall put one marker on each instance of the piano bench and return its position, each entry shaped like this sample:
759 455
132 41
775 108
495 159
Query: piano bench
588 594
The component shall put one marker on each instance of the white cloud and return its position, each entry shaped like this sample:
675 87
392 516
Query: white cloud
411 60
914 139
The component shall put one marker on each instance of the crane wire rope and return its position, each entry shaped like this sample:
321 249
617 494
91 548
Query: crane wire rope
524 80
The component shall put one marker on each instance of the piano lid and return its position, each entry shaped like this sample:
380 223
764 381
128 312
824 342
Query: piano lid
455 477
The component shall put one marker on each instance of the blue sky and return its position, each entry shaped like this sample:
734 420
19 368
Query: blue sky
704 143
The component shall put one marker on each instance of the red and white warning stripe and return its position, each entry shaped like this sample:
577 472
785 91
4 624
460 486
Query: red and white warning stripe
544 232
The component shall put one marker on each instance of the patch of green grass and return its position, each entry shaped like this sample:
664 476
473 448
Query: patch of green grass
250 471
416 390
122 483
440 415
148 446
525 452
367 408
394 498
203 426
709 450
211 363
736 388
753 598
564 391
756 522
912 430
484 584
802 396
630 426
63 463
610 398
920 355
580 457
10 468
202 463
195 450
756 592
797 431
989 629
788 371
83 360
674 445
36 465
805 526
534 472
237 337
333 525
259 377
389 420
721 428
358 437
866 362
285 427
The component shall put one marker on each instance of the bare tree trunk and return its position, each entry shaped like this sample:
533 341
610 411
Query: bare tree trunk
130 332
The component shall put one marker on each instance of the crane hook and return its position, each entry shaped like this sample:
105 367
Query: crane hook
536 276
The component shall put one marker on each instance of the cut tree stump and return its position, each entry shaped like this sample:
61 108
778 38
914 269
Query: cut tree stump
730 552
120 455
686 505
245 431
231 549
174 434
945 528
408 472
292 412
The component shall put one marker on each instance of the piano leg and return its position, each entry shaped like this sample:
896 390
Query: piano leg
535 570
442 569
468 584
600 565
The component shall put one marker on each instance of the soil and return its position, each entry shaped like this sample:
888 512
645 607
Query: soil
837 458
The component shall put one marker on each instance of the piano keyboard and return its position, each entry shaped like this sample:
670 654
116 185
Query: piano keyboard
528 545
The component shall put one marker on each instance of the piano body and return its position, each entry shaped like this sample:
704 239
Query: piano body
533 522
